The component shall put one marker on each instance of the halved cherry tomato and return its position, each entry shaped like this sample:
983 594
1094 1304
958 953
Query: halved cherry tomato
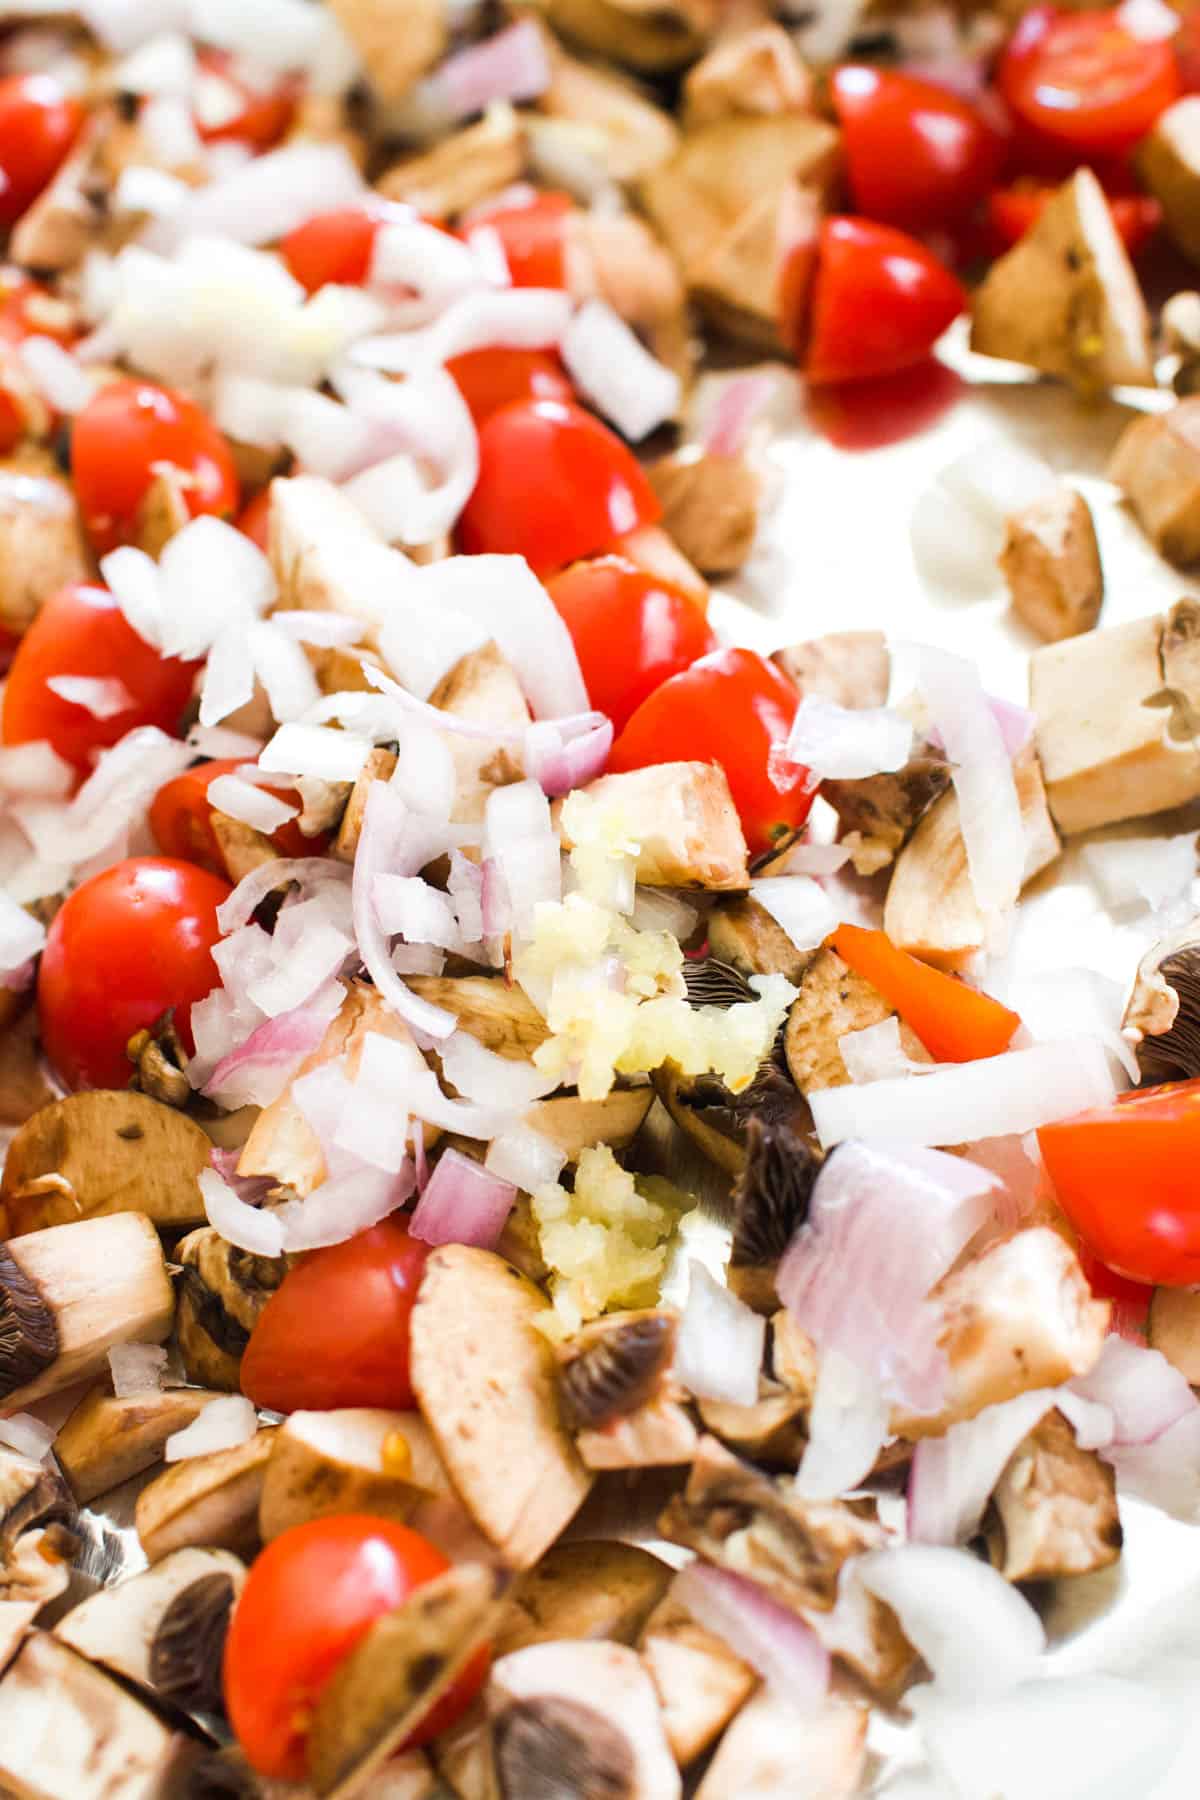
308 1600
490 379
631 631
255 519
880 301
956 1023
230 109
916 155
731 707
533 235
1082 83
181 818
335 247
554 485
128 945
39 122
1130 1299
335 1332
13 420
1125 1175
123 434
1013 210
82 631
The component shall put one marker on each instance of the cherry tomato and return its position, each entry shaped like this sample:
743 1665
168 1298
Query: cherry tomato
1081 82
533 235
1130 1299
631 631
490 379
1013 210
230 109
1125 1177
120 438
255 519
956 1023
336 247
39 122
335 1331
81 631
554 485
126 946
13 420
308 1600
731 707
181 819
27 310
880 301
916 155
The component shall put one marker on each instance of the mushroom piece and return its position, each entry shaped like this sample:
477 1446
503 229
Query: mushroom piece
163 512
1065 299
682 817
743 933
69 1294
851 668
1162 1016
711 505
1156 464
65 221
833 1001
465 168
648 35
578 1718
770 1203
353 1459
326 558
379 766
699 1681
482 687
242 848
42 546
24 1086
659 1434
164 1629
102 1152
1051 562
106 1441
1168 161
613 1366
1054 1509
398 41
30 1495
1173 1327
485 1380
591 1590
222 1290
878 814
208 1501
35 1572
768 1751
771 1432
755 71
575 1125
396 1672
499 1016
625 131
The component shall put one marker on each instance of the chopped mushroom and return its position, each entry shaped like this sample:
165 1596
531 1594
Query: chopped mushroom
743 933
242 848
1156 464
209 1501
851 668
1051 562
1162 1015
619 259
32 1575
163 512
30 1495
482 687
24 1086
499 1016
575 1125
649 35
699 1680
877 814
379 766
613 1366
711 505
1173 1326
222 1290
1065 299
835 1000
682 817
66 219
771 1432
770 1202
758 71
106 1441
1054 1509
42 546
593 1590
397 41
768 1751
658 1434
627 133
358 1459
326 557
463 169
1168 161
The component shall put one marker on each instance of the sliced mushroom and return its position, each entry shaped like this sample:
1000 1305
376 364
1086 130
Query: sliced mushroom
771 1432
1168 161
359 1459
30 1495
768 1751
578 1718
878 814
792 1356
106 1441
711 505
1051 562
614 1365
650 35
684 821
242 848
743 933
627 133
575 1125
163 512
1173 1327
1156 464
1162 1016
208 1501
485 1380
102 1152
591 1590
379 766
396 1672
1054 1510
23 1083
465 168
69 1294
65 220
658 1434
222 1290
1065 299
42 546
699 1681
397 41
770 1203
834 1000
499 1016
851 668
482 687
930 907
32 1575
756 71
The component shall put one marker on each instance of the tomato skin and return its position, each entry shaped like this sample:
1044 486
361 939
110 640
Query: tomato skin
310 1597
1125 1177
533 236
956 1023
731 707
255 519
491 379
39 122
631 631
336 246
880 302
127 945
82 631
1013 211
335 1331
916 155
554 485
266 114
181 818
1080 82
122 433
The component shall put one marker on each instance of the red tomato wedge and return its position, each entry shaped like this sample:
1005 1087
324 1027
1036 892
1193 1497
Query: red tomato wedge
119 440
880 301
1013 210
1081 82
335 247
39 122
181 818
230 109
533 236
916 155
491 379
956 1023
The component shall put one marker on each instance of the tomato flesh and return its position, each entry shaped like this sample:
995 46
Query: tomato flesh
1081 82
491 379
181 818
916 155
335 1332
125 947
39 122
121 438
533 237
880 301
336 246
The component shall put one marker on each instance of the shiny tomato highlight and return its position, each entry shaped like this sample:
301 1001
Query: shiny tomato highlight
880 301
916 155
121 437
631 631
1081 83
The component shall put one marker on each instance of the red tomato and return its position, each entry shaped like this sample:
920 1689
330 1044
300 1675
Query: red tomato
631 631
228 108
335 1332
13 421
119 439
27 310
732 708
880 301
128 945
1082 82
554 485
82 631
1186 45
335 247
916 155
490 379
1130 1299
883 409
1013 210
308 1600
39 122
181 819
255 519
956 1023
533 235
1125 1177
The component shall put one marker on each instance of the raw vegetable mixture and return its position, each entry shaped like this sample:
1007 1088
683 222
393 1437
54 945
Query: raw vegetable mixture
407 887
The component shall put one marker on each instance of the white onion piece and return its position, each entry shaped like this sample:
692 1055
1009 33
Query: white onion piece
719 1346
953 1476
784 1650
299 749
658 909
326 629
847 1428
739 405
274 193
956 1104
55 374
111 802
1065 1003
137 1369
488 318
310 873
799 905
284 671
248 804
425 775
525 1158
247 1227
463 1203
847 744
304 963
223 1425
343 1206
34 771
976 1634
26 1435
958 525
132 579
121 25
410 907
211 575
283 36
504 596
420 270
425 417
141 189
1144 1393
168 131
385 818
1140 869
876 1054
480 1074
228 682
1091 1422
612 368
370 1130
422 644
165 64
521 852
398 1068
465 887
21 935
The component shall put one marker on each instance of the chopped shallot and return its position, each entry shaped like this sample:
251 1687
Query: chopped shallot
953 1476
385 819
609 365
26 1435
249 804
247 1227
512 65
1144 1393
223 1425
480 1074
525 1157
463 1203
847 744
847 1428
137 1368
799 905
719 1347
777 1643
